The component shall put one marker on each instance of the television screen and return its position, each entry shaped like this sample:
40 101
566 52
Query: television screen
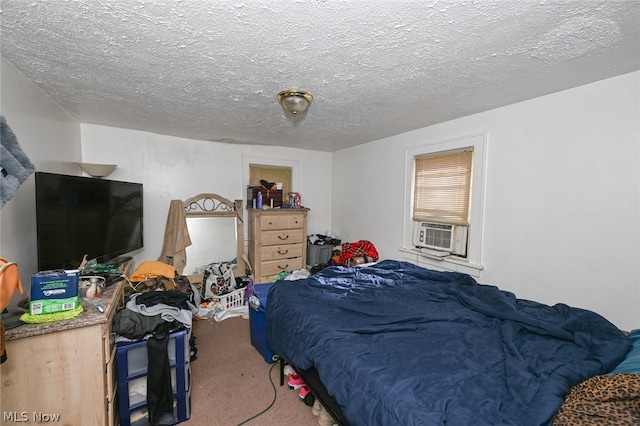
81 215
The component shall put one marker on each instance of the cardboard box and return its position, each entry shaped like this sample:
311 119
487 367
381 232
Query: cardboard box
54 291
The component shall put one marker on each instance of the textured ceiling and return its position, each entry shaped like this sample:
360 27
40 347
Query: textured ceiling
211 69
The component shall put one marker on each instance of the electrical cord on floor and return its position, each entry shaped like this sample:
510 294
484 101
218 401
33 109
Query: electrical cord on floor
275 394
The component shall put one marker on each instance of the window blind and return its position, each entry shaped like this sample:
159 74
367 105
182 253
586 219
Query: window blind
442 187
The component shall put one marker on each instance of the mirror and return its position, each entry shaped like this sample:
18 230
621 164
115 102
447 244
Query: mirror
213 239
216 229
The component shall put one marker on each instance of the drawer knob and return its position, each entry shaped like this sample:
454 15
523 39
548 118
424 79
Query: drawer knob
283 267
283 252
286 237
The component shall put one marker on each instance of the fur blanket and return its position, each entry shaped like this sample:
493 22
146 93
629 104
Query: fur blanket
15 165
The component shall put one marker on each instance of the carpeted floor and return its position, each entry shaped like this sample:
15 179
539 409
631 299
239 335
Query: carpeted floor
230 381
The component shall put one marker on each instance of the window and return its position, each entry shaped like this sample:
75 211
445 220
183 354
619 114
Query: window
443 204
442 187
441 195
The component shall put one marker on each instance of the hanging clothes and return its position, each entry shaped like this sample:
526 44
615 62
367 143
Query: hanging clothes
176 237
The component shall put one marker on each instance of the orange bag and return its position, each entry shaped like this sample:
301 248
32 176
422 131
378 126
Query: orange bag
9 282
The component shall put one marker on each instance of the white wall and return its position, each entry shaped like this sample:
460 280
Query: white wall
176 168
51 139
562 198
539 240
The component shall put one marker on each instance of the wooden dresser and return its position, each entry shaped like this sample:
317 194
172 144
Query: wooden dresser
277 241
63 372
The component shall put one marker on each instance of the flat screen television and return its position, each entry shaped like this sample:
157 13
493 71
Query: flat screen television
77 216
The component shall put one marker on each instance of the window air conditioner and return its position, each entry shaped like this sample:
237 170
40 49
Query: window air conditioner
440 237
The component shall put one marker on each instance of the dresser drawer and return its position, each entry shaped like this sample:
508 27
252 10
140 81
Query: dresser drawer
282 251
292 221
284 236
274 267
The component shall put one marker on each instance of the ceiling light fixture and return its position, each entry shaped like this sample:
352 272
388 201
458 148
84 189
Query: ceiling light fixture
295 101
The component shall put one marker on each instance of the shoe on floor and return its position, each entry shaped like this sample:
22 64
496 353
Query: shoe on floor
315 410
325 419
306 396
295 382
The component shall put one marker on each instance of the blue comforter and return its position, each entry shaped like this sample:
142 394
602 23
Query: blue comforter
397 344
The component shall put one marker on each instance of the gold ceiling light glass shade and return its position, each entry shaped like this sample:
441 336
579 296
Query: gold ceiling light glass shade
295 101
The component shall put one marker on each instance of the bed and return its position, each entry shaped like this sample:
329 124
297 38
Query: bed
396 344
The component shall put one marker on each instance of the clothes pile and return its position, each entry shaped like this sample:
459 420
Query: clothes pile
156 307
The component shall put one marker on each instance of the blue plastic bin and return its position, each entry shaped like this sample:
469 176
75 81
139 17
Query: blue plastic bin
132 363
258 323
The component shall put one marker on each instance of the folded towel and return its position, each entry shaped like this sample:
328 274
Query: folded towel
55 316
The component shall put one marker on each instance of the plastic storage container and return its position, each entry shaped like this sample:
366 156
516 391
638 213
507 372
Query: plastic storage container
140 416
318 254
258 323
131 361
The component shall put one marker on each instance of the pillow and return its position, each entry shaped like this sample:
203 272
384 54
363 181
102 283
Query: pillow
631 363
